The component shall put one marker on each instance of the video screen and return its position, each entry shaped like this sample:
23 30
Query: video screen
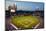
22 15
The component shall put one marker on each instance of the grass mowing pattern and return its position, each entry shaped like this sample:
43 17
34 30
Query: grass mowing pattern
25 22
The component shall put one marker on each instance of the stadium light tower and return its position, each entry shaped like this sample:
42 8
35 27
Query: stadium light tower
13 8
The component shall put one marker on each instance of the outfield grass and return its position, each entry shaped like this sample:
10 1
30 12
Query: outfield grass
25 22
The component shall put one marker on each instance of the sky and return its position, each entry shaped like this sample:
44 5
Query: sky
31 6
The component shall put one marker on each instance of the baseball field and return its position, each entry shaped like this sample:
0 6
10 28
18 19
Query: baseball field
25 22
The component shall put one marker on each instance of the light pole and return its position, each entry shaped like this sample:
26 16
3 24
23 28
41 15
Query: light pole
13 9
